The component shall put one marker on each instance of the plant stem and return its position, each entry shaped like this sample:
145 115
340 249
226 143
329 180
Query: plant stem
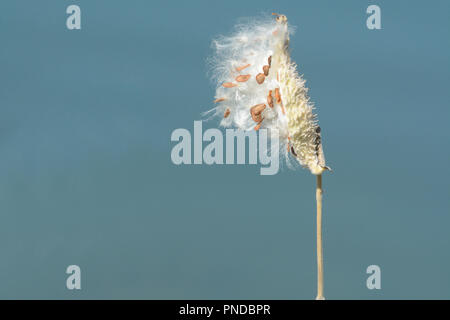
319 239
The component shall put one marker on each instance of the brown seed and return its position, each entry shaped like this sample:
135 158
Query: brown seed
277 95
270 99
219 100
260 77
229 85
258 125
243 78
239 69
227 113
269 61
266 70
256 111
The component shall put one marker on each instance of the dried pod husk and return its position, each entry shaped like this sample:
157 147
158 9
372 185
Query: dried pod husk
293 114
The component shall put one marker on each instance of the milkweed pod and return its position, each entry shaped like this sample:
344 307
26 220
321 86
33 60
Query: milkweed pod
253 44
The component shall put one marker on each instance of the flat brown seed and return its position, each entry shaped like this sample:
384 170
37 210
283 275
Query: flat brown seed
243 78
229 85
269 61
219 100
257 118
258 125
226 113
256 111
266 70
270 99
260 77
239 69
277 95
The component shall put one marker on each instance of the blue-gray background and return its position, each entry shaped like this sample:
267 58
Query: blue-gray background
86 176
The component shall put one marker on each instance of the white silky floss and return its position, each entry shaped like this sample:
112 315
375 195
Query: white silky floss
259 87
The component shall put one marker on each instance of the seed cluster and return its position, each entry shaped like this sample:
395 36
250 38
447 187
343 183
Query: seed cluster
271 93
255 111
